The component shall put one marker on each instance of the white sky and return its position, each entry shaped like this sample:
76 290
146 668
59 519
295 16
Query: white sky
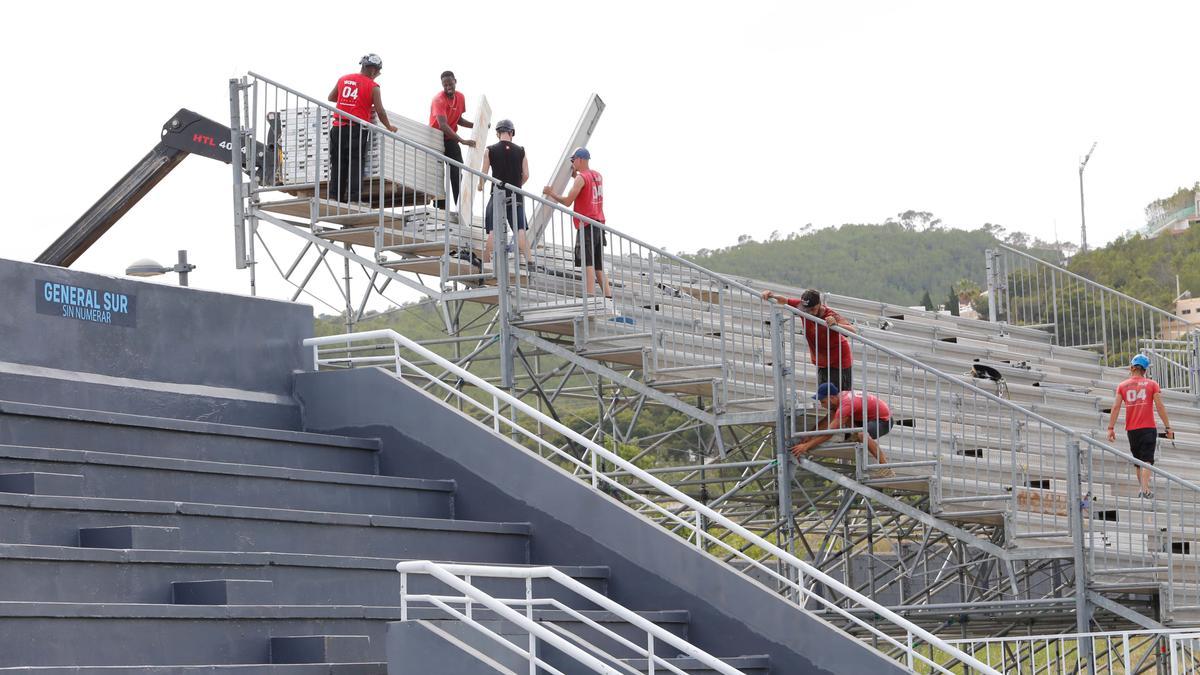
723 118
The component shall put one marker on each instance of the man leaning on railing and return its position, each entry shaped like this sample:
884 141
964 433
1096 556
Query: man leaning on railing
831 356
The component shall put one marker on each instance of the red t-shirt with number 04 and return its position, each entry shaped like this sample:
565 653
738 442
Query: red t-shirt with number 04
1137 393
355 97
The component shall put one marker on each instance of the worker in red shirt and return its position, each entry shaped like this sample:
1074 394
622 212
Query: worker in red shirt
358 95
445 114
586 197
852 410
1141 396
828 350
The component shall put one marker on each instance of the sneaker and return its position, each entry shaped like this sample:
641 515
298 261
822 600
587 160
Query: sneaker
1148 494
883 473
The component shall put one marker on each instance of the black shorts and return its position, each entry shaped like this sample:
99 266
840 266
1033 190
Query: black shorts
839 376
591 241
514 205
875 429
1142 443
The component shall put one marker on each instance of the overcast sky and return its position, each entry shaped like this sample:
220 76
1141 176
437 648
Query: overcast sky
723 118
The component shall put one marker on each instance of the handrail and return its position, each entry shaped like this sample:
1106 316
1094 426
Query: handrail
803 567
529 573
1091 283
504 611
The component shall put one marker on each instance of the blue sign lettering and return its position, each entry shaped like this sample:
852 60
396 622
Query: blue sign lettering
94 305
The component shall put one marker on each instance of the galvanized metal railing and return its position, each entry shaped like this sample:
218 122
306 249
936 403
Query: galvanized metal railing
1024 290
1160 652
1175 364
707 528
581 651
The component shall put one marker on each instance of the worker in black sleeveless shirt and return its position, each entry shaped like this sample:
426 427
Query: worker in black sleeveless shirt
508 163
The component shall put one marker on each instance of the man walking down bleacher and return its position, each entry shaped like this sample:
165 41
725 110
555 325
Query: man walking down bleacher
1141 396
831 356
358 95
852 410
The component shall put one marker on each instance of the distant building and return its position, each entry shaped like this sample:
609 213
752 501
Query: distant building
1188 309
1174 223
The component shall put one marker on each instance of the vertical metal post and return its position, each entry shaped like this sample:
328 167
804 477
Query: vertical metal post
781 372
500 266
1104 329
235 150
989 262
1054 305
1083 616
1194 366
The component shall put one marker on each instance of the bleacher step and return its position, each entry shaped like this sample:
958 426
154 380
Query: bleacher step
224 592
56 521
125 476
130 537
41 483
320 648
69 574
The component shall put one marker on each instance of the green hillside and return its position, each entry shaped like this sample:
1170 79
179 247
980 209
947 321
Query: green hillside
890 262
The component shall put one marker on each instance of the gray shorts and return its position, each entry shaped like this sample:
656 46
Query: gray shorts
875 428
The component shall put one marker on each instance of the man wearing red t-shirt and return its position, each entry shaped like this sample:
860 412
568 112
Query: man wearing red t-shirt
445 113
358 95
1141 397
586 197
852 410
828 350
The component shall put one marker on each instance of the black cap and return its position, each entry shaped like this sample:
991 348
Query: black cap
810 298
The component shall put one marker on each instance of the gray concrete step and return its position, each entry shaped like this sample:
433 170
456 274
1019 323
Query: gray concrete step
31 634
125 476
750 665
47 386
74 428
56 521
68 574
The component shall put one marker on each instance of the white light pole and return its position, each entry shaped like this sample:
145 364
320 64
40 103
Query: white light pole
1082 214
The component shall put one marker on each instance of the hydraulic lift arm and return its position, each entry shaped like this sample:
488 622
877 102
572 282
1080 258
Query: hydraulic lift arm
186 133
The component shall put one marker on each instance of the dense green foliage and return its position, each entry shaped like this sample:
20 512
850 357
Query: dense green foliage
890 262
1146 268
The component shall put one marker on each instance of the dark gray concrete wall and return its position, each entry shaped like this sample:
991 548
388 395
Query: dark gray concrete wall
574 524
167 334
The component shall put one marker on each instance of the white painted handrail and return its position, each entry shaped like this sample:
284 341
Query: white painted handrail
799 569
445 572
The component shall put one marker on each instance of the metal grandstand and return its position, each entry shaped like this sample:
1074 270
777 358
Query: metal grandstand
1008 512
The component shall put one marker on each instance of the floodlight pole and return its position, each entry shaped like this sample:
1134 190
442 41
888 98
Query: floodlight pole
1082 212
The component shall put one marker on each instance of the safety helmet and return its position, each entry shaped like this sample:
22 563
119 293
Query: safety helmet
1142 361
505 125
371 60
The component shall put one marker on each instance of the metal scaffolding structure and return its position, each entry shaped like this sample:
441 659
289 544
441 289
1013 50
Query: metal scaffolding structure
996 513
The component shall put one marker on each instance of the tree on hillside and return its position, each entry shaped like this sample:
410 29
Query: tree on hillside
927 301
912 220
968 290
952 302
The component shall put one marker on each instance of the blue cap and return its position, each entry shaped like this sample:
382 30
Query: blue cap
826 390
581 153
1142 361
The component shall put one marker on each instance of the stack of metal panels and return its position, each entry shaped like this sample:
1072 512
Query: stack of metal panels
304 136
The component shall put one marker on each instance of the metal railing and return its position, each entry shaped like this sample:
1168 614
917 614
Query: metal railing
1161 652
1024 290
1175 364
581 651
705 527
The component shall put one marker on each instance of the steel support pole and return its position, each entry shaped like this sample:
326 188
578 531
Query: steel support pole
1194 366
989 262
235 140
500 266
781 371
1083 610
